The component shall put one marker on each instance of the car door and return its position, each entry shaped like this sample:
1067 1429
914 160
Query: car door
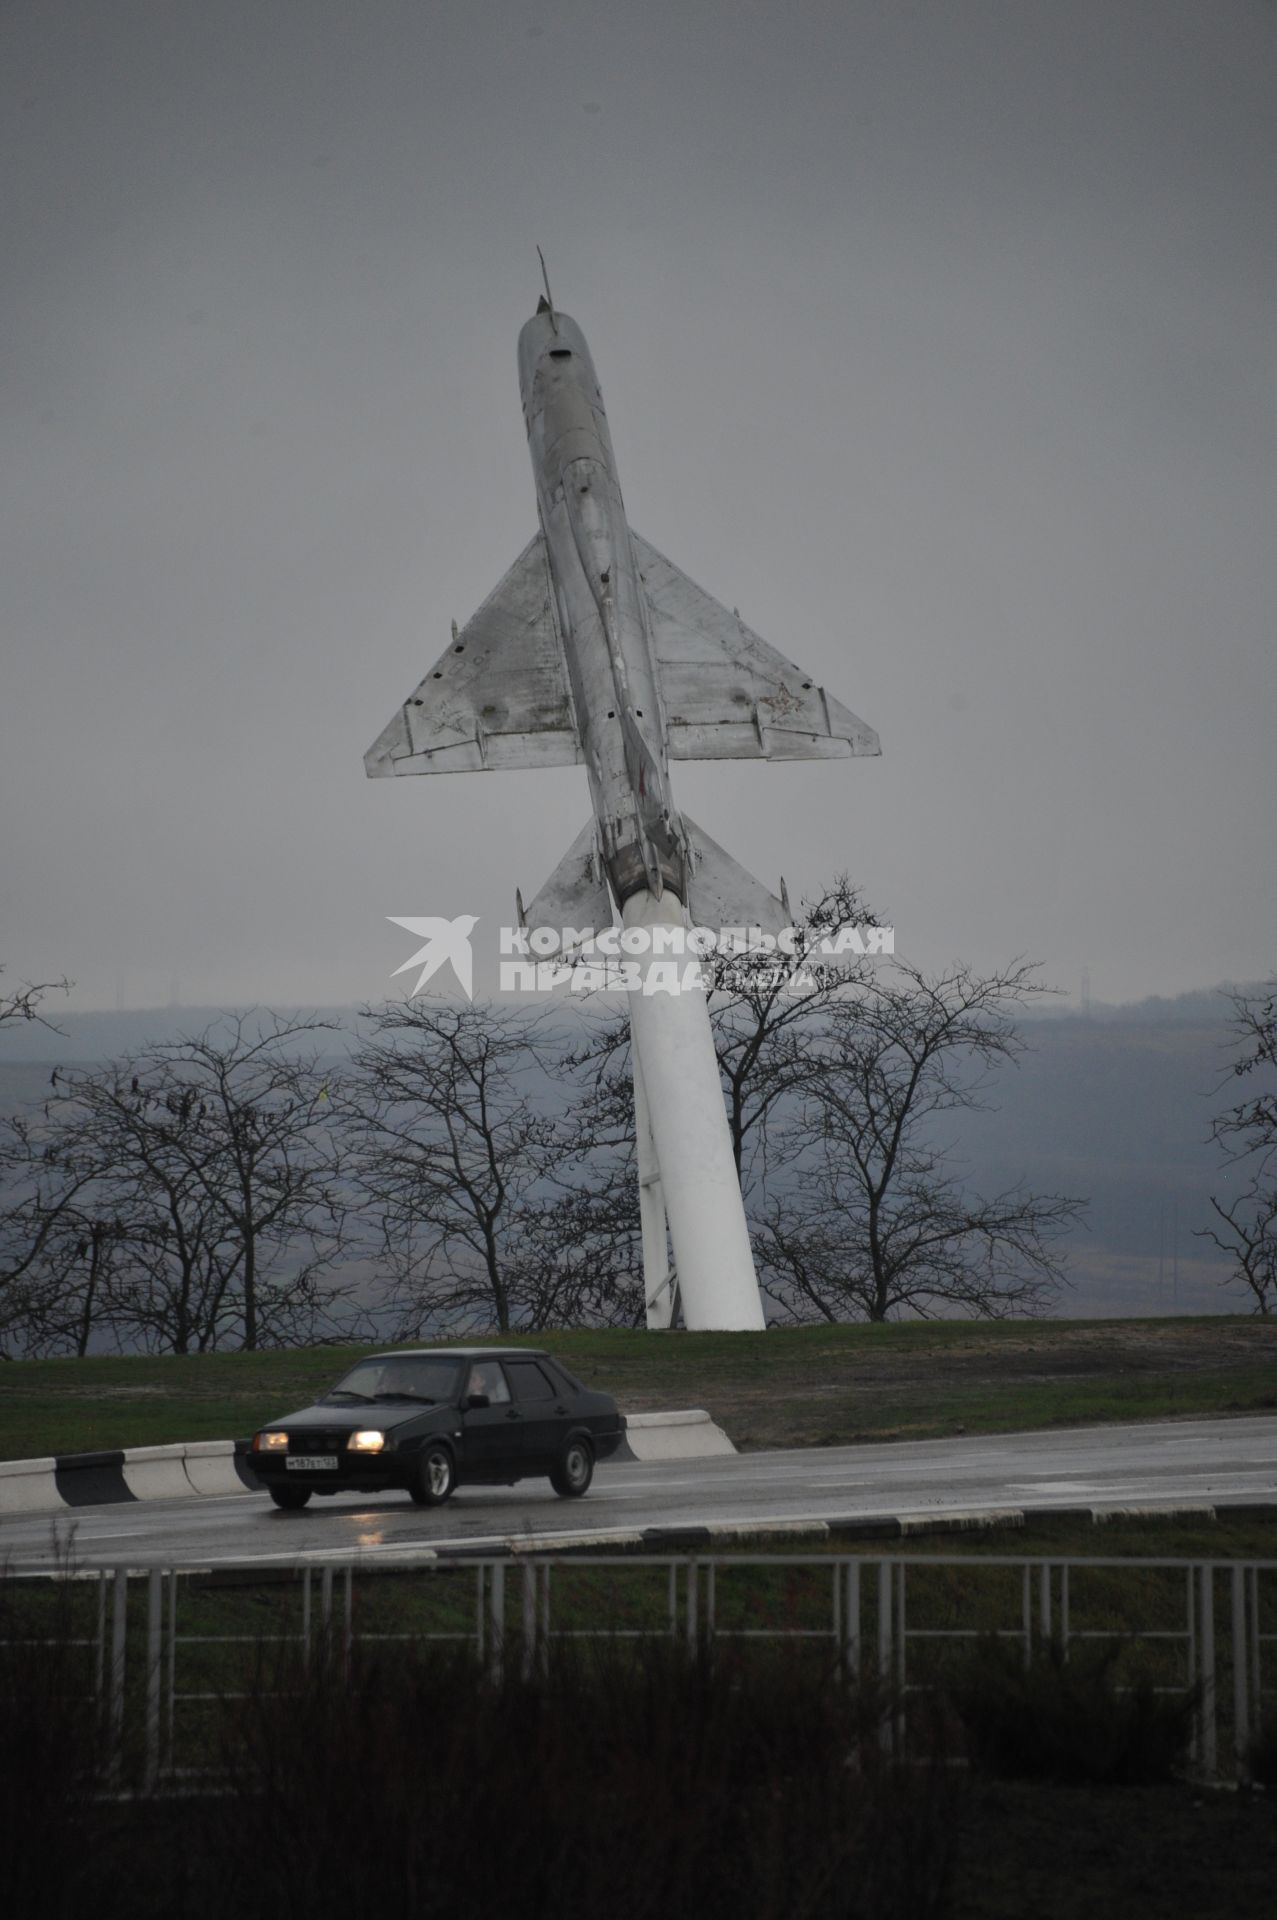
543 1410
493 1434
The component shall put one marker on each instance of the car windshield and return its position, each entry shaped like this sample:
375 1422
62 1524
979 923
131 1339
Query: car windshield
399 1376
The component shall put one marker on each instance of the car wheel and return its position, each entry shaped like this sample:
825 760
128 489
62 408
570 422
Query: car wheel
291 1499
436 1476
575 1469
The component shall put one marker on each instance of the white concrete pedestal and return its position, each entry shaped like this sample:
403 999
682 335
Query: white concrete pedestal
681 1090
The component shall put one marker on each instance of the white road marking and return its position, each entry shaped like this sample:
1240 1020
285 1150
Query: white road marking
1054 1486
1213 1477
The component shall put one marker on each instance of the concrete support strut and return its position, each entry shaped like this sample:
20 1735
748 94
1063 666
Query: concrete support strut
674 1050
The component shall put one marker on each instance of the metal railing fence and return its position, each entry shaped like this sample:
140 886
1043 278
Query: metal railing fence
157 1653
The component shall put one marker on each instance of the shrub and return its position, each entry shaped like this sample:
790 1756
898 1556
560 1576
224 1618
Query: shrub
639 1781
635 1777
1066 1718
1262 1758
48 1749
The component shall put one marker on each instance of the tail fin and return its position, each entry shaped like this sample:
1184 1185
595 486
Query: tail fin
723 893
575 895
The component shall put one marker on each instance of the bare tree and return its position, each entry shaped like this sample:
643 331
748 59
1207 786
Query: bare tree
58 1263
178 1198
257 1118
119 1238
454 1143
1246 1220
1248 1130
1247 1232
580 1251
26 1226
764 1005
41 1211
31 1204
23 1003
871 1219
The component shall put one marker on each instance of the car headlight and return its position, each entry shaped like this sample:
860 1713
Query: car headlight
368 1440
269 1442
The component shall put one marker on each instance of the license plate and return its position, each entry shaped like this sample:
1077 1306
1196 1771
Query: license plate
311 1462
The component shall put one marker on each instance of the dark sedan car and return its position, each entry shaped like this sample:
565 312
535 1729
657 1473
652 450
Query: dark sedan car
428 1421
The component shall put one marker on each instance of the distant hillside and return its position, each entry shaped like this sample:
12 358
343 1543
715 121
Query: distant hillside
1119 1110
1204 1006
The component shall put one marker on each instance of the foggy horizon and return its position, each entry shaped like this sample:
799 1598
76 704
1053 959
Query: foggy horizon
1057 1002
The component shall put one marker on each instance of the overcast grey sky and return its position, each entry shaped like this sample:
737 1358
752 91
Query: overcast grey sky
937 335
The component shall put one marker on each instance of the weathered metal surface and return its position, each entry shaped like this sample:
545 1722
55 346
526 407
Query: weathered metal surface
577 887
498 697
729 695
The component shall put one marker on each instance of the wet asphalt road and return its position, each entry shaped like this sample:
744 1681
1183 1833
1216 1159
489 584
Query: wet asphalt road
1200 1462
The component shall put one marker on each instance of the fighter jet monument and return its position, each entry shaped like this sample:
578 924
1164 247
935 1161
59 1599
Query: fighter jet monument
595 649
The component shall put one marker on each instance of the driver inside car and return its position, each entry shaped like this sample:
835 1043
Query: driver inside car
486 1377
397 1380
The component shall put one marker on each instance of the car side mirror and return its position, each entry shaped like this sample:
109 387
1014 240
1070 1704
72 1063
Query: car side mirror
476 1400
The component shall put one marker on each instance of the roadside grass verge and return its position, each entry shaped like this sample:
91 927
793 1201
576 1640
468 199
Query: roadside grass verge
1250 1534
797 1386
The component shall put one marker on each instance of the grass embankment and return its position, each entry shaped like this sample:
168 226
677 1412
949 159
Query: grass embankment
798 1386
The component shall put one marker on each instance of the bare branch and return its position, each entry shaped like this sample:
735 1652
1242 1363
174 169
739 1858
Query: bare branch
23 1003
1247 1134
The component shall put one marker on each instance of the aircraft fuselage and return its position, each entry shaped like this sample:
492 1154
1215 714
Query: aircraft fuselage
601 611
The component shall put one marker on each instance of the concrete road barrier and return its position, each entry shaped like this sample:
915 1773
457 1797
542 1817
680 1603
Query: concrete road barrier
92 1479
157 1473
691 1435
29 1486
215 1468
